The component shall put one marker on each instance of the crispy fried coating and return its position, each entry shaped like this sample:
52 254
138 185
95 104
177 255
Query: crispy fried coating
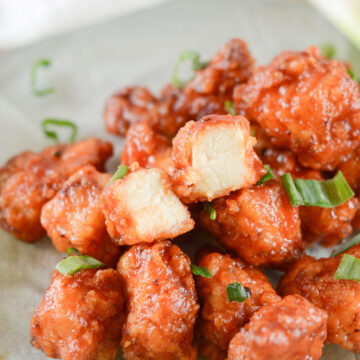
307 104
221 318
162 303
213 157
258 223
128 106
148 148
142 207
74 217
80 316
314 280
292 328
31 180
205 94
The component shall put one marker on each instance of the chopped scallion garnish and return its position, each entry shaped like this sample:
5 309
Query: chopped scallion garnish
252 131
119 355
209 209
73 264
121 171
229 106
354 241
268 176
327 193
328 51
353 76
73 250
348 269
196 64
200 270
33 76
60 123
236 292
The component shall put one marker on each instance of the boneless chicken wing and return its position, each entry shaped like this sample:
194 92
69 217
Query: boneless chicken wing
205 94
292 328
142 207
314 280
148 148
213 157
80 316
305 103
257 223
74 218
221 318
162 303
32 180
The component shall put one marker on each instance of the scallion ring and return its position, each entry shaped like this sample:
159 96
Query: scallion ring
237 292
268 176
327 51
326 194
348 269
59 123
200 270
33 76
73 264
196 64
229 106
354 241
209 209
121 171
73 250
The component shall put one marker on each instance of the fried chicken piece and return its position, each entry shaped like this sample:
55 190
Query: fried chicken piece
74 218
258 223
205 94
213 157
31 180
314 279
292 328
142 207
80 316
221 318
162 303
148 148
307 104
128 106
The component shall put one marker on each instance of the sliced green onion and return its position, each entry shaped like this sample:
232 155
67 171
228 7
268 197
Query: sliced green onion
252 131
121 171
354 241
196 64
353 76
33 75
291 190
236 292
229 106
209 209
200 270
349 268
327 51
73 264
326 194
62 123
73 250
268 176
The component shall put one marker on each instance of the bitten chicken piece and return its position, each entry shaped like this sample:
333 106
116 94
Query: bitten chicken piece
128 106
142 207
74 218
205 94
148 148
257 223
213 157
30 180
292 328
314 279
162 304
80 316
305 103
221 318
